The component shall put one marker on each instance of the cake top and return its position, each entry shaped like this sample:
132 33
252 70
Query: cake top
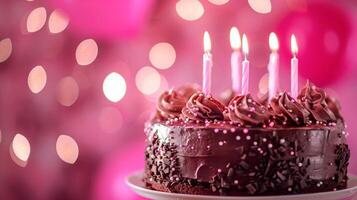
189 105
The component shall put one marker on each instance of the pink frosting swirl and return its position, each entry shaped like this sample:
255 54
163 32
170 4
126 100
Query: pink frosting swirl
245 110
201 107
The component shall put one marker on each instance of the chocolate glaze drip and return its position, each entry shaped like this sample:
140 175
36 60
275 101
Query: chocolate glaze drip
288 111
314 99
201 107
243 109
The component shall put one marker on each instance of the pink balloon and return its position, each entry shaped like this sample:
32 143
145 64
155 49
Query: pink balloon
322 33
110 180
106 19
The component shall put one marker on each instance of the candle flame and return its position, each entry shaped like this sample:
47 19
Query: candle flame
273 42
245 45
235 38
294 46
206 42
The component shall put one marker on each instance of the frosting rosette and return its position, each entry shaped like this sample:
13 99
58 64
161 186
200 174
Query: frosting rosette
245 110
314 99
289 111
334 106
201 107
170 104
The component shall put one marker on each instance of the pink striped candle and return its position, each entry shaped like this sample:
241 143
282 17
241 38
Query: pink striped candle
294 68
273 66
245 67
236 60
207 64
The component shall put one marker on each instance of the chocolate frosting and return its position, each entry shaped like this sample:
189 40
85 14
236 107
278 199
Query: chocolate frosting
243 109
334 106
314 99
201 107
170 104
288 111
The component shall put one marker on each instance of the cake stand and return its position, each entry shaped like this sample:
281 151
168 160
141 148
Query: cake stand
134 181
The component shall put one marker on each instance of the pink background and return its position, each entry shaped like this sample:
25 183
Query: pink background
124 32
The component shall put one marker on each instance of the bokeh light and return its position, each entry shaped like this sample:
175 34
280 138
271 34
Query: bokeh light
114 87
110 120
147 80
219 2
86 52
20 149
58 21
260 6
36 19
5 49
67 91
67 149
264 84
37 79
164 86
162 55
189 10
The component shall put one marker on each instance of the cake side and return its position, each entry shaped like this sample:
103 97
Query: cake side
199 145
226 160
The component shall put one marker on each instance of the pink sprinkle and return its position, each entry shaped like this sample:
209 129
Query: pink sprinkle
216 130
220 143
245 130
271 124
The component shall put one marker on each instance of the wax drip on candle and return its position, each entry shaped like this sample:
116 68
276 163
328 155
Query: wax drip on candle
294 67
236 61
245 66
207 64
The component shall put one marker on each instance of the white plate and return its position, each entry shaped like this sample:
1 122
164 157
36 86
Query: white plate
135 182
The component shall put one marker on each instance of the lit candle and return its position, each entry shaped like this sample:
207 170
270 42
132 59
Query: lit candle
273 66
294 68
236 60
245 65
207 64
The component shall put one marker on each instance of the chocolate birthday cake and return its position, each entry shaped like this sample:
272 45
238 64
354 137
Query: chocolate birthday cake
199 145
